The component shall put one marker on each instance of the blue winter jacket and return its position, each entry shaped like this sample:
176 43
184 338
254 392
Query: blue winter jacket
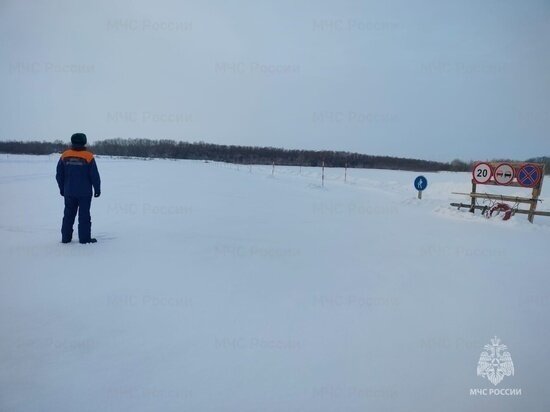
77 173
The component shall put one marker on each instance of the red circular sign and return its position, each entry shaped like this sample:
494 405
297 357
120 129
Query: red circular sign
529 175
504 174
482 173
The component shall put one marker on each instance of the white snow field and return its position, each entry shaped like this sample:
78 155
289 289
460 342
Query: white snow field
215 287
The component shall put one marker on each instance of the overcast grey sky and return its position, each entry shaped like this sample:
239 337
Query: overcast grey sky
428 79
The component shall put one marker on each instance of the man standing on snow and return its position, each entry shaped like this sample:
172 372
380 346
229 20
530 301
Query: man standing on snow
76 175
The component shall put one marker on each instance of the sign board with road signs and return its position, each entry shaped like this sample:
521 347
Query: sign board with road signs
524 175
529 175
482 173
504 174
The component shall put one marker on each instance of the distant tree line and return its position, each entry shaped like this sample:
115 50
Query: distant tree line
35 147
257 155
543 159
170 149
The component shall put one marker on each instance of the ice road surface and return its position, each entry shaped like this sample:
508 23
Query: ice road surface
218 287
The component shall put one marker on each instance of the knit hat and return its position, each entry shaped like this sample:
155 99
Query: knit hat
78 139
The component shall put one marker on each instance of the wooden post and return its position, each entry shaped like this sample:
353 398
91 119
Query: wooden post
323 175
536 193
273 169
473 201
533 207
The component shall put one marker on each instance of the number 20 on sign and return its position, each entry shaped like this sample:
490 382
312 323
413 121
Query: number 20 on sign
483 172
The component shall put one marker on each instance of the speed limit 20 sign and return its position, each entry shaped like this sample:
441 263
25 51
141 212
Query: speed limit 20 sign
483 172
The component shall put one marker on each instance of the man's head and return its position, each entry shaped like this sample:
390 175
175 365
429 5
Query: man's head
78 140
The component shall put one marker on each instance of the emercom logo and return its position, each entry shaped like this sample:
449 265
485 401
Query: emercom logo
495 362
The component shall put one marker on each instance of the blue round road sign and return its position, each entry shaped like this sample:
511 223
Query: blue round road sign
420 183
529 175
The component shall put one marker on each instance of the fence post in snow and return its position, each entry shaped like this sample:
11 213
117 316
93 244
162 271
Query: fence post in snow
323 174
273 169
346 173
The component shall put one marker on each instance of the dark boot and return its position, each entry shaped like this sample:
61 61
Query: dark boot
91 240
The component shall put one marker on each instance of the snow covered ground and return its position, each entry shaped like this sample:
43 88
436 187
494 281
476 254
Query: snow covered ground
222 288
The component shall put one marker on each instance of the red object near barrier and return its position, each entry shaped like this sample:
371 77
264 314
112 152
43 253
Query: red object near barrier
499 208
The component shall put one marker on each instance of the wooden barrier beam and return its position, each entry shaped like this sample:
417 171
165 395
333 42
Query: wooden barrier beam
499 197
520 211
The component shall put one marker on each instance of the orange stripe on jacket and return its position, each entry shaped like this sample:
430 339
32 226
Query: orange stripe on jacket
83 154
